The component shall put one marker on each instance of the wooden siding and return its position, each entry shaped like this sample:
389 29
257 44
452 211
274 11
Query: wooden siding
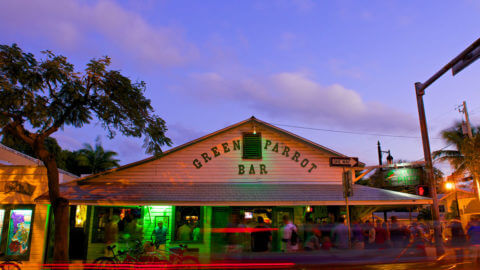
33 175
178 166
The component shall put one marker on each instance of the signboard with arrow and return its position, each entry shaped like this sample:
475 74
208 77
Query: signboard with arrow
343 162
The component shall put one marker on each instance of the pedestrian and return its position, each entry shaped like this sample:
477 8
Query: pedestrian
290 236
357 236
313 242
160 235
370 235
397 233
458 239
381 235
261 236
340 235
474 239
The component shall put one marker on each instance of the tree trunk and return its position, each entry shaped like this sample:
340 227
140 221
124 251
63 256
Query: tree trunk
59 206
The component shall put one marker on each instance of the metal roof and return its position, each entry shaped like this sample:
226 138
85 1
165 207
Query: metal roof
193 193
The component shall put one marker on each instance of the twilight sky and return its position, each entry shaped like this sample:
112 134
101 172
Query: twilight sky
338 65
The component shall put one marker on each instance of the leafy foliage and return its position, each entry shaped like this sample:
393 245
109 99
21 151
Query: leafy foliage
48 94
97 159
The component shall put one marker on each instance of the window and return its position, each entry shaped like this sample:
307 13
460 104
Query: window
188 223
15 230
117 224
252 146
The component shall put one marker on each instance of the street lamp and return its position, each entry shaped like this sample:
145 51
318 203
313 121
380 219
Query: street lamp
464 59
453 186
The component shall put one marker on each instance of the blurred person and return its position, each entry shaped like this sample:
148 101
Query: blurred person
196 231
184 232
289 236
111 234
397 233
160 235
340 235
313 242
474 239
370 235
326 243
262 237
458 238
232 238
357 236
381 235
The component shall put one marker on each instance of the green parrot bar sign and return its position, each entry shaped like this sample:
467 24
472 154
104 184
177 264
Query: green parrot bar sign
403 177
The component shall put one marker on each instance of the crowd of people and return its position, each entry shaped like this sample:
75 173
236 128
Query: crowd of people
322 235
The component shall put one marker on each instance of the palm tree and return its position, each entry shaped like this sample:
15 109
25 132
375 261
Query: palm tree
97 159
455 137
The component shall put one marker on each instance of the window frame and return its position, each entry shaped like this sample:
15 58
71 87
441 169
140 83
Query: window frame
6 227
201 220
94 239
251 134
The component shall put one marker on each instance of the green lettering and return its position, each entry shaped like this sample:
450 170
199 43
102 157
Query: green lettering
296 156
263 169
215 151
236 145
304 163
241 169
252 170
206 157
267 143
285 151
275 148
197 164
313 167
225 148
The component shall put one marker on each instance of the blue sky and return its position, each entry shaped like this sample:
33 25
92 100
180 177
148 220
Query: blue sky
342 65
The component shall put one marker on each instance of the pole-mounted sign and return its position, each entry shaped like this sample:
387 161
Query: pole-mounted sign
343 162
466 60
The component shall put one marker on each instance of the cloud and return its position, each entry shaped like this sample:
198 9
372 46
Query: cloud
297 97
75 25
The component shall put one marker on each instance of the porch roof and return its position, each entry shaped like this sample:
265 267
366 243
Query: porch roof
228 194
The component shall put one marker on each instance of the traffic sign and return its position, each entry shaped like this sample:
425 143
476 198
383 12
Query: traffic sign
465 61
343 161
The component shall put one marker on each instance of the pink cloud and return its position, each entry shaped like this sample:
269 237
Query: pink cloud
74 25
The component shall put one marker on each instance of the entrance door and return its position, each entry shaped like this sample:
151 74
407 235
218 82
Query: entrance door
78 241
279 212
220 219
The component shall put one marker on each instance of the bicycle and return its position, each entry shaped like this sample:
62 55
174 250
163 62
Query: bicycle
138 256
9 264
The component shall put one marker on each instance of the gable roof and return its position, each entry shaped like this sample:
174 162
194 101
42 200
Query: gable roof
30 159
175 149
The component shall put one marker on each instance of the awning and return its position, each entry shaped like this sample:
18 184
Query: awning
229 194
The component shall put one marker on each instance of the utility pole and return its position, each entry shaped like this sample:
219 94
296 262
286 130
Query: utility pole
379 153
469 128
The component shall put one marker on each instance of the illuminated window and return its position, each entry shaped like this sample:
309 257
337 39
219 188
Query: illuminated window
188 223
15 230
252 145
117 224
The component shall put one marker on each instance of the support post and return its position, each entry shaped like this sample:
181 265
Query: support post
429 169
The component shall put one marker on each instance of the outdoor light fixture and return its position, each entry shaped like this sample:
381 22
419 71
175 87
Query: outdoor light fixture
449 185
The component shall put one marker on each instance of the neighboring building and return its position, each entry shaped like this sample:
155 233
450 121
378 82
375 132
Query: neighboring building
251 168
22 222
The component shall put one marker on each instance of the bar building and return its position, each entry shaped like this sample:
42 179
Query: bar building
251 168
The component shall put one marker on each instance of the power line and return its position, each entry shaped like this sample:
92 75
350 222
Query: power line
355 132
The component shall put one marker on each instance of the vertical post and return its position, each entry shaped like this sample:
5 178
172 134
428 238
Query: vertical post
379 153
429 169
469 128
456 197
346 204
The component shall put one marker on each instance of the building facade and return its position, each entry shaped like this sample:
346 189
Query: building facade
249 169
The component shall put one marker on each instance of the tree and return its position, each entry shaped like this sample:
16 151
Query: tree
97 159
454 136
39 97
470 149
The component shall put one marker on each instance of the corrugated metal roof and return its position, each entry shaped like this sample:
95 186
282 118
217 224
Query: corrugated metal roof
230 194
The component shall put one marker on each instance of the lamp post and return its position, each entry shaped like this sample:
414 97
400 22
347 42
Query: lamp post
464 59
450 186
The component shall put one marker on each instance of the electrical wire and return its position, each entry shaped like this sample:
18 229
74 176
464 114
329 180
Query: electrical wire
354 132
